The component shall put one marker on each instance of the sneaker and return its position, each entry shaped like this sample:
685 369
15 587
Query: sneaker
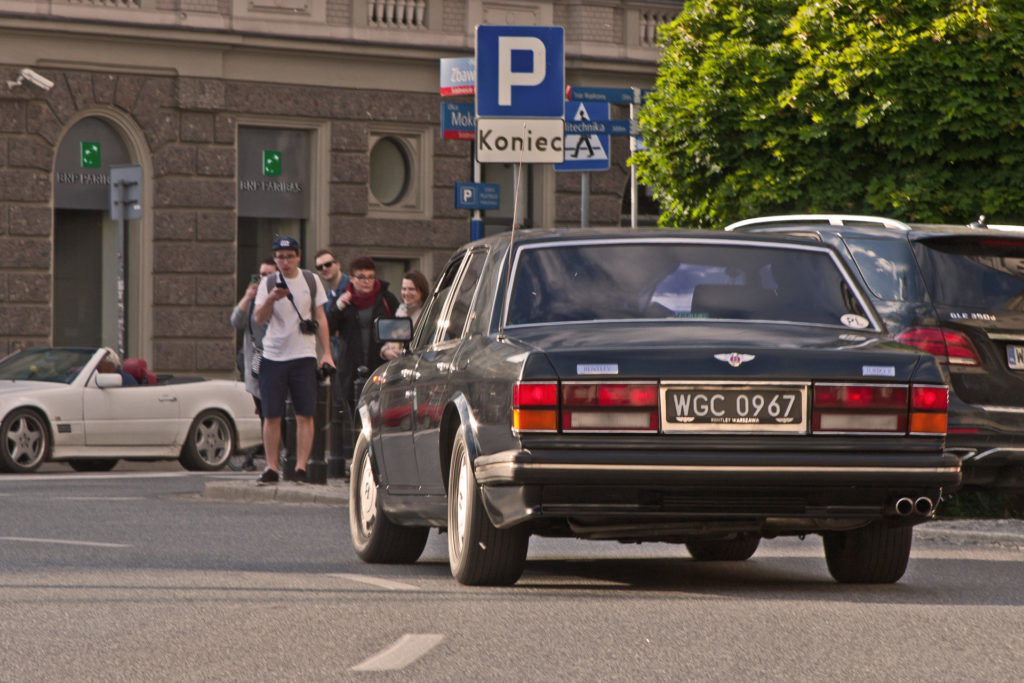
268 478
248 465
299 477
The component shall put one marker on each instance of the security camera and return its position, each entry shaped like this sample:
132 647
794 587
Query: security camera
32 77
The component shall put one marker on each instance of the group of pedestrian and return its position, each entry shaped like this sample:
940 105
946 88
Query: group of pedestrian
286 313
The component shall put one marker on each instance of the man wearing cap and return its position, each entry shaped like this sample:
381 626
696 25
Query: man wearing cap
291 303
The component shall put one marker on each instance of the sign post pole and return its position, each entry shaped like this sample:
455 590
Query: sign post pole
125 204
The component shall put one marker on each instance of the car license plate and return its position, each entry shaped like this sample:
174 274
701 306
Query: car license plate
1015 356
734 408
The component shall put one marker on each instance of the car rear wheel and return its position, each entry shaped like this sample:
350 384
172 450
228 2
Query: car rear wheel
877 553
479 553
718 550
93 464
24 441
375 538
210 442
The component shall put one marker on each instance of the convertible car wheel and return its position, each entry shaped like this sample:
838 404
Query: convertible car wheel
93 464
24 441
211 440
877 553
717 550
375 537
479 553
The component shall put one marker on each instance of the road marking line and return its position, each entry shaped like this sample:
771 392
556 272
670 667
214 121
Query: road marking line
103 498
386 584
95 544
404 652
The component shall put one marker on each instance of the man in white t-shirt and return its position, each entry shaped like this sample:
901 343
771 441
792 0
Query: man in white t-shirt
290 308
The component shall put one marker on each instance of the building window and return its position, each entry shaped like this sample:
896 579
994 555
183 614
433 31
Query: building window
399 172
390 171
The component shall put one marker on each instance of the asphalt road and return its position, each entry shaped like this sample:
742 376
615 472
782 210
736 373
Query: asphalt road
138 575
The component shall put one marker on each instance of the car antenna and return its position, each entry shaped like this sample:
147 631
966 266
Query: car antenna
512 239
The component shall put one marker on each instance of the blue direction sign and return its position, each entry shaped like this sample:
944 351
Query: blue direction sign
457 122
588 94
477 196
520 71
586 150
611 127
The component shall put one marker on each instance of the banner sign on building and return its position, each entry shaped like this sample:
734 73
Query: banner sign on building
457 121
458 76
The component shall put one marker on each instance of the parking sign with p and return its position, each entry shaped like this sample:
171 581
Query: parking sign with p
520 71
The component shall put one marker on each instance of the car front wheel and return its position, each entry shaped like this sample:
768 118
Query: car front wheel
210 442
24 441
479 553
876 553
375 538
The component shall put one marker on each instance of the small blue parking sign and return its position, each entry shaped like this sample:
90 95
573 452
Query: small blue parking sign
520 71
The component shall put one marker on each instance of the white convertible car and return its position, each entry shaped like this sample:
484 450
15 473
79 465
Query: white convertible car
56 405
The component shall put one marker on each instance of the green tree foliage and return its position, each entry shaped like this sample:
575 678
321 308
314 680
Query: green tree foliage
906 108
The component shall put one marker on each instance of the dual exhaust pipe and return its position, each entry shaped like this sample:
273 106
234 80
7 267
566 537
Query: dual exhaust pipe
905 506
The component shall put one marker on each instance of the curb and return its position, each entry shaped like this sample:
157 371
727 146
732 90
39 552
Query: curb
285 492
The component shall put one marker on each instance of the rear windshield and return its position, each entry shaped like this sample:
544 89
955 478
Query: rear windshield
888 268
579 282
976 273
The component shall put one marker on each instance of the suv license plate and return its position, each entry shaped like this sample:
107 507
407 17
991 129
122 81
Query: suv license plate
1015 356
730 408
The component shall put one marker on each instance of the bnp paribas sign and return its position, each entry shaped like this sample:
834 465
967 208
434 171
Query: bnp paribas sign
273 173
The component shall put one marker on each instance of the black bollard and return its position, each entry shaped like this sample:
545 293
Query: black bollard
336 457
288 436
316 470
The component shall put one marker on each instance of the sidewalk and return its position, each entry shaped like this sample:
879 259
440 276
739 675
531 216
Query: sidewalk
335 492
1001 532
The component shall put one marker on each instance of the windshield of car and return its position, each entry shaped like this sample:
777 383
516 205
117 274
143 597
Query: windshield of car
671 280
984 273
45 365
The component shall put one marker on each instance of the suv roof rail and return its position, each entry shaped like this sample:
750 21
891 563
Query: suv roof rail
830 218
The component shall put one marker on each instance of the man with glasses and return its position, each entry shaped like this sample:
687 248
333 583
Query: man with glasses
364 300
335 282
291 303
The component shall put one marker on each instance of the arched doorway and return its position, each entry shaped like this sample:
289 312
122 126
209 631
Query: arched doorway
86 273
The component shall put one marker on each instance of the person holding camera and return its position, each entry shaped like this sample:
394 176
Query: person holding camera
291 304
252 341
364 300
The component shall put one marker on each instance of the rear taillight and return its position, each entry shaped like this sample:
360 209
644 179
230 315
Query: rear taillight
606 406
585 406
879 408
535 407
859 408
929 407
950 346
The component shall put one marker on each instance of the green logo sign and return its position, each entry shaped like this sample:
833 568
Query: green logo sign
91 155
271 162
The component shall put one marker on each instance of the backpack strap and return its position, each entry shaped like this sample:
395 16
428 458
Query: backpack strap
310 282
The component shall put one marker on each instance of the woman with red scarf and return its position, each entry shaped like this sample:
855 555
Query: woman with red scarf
364 300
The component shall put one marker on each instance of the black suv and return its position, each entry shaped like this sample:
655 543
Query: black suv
958 293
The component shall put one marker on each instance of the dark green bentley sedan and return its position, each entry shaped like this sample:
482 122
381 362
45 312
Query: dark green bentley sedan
671 386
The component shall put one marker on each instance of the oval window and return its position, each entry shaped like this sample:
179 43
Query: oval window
389 171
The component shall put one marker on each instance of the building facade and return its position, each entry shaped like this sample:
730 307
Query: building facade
318 119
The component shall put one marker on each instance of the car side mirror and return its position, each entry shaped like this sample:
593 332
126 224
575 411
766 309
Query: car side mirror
393 330
106 380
